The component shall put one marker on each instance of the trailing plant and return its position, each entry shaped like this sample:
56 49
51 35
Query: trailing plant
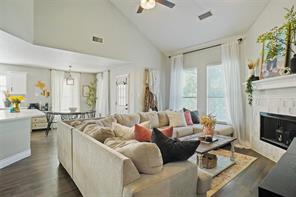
249 89
91 96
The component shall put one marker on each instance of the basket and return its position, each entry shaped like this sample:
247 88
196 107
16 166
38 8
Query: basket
209 161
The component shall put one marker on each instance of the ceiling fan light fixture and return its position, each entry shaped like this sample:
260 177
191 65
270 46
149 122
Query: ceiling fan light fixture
148 4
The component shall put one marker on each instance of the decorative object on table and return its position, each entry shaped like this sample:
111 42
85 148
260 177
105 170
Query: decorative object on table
207 139
90 92
7 102
16 101
209 161
72 109
208 122
68 77
277 45
252 65
43 89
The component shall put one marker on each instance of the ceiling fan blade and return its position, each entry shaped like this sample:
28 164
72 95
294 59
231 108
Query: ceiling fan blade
140 10
166 3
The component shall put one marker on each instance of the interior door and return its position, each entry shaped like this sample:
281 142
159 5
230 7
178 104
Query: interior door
122 94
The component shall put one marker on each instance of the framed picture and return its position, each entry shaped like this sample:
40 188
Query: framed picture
85 90
270 67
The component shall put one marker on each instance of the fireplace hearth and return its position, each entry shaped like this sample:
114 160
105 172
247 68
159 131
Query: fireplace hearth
278 130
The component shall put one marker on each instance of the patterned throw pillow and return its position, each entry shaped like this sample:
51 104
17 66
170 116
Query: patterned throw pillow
177 119
173 150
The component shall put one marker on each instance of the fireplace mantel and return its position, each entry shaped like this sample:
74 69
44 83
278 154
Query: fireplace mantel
288 81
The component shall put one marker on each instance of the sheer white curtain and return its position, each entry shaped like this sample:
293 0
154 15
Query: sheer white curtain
176 82
102 104
64 96
233 91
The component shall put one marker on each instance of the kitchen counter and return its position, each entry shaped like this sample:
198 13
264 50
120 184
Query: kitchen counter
15 135
25 113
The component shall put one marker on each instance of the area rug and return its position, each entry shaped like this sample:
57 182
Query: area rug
242 162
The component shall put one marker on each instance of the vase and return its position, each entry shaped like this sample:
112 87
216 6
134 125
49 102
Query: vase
207 131
16 107
293 64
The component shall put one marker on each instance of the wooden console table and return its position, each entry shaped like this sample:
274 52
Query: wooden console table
67 116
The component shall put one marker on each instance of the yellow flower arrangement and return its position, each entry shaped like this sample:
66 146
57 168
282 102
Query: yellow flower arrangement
16 99
208 121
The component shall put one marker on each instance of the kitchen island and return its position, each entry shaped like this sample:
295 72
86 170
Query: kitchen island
15 135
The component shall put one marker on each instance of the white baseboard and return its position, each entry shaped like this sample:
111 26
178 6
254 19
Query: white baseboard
14 158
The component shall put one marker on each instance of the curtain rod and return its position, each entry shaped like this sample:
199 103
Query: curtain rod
209 47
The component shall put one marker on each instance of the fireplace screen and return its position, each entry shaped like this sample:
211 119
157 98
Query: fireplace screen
278 130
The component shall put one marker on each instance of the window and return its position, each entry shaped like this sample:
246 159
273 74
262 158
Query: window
3 85
189 97
216 92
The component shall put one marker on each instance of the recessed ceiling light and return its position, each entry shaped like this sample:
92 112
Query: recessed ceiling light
205 15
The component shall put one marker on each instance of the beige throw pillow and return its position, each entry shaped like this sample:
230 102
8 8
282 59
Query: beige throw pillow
118 142
145 156
127 133
163 119
150 116
128 120
99 133
177 119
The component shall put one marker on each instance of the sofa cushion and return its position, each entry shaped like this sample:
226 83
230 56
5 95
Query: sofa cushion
194 115
125 132
99 133
150 116
176 119
163 119
143 134
182 131
118 142
173 149
128 120
84 123
145 156
220 129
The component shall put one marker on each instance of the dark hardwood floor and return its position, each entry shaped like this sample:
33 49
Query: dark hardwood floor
41 175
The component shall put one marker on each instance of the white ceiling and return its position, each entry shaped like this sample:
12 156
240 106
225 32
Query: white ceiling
173 29
16 51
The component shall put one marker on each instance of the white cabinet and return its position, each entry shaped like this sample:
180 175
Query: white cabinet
17 82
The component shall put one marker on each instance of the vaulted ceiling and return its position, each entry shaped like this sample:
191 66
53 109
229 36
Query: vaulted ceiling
179 27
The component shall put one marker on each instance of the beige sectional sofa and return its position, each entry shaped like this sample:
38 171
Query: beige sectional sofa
99 170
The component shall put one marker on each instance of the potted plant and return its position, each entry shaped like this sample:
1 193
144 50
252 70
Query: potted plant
249 87
208 122
16 100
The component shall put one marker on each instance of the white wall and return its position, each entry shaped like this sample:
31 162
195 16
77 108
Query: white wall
272 16
35 74
16 17
70 25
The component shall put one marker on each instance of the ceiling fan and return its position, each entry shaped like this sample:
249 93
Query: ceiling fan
149 4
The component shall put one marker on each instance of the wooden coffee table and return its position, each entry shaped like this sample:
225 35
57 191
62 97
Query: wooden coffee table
222 161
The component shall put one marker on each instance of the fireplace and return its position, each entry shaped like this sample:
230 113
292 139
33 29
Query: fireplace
278 130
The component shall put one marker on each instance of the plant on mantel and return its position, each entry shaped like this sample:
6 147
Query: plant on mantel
275 42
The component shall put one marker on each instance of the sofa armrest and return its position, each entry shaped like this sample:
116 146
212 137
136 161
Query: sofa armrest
176 179
99 170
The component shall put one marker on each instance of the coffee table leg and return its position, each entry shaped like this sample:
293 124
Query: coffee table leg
199 160
232 152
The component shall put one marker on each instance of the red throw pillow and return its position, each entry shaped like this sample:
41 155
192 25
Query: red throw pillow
167 131
143 134
188 118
